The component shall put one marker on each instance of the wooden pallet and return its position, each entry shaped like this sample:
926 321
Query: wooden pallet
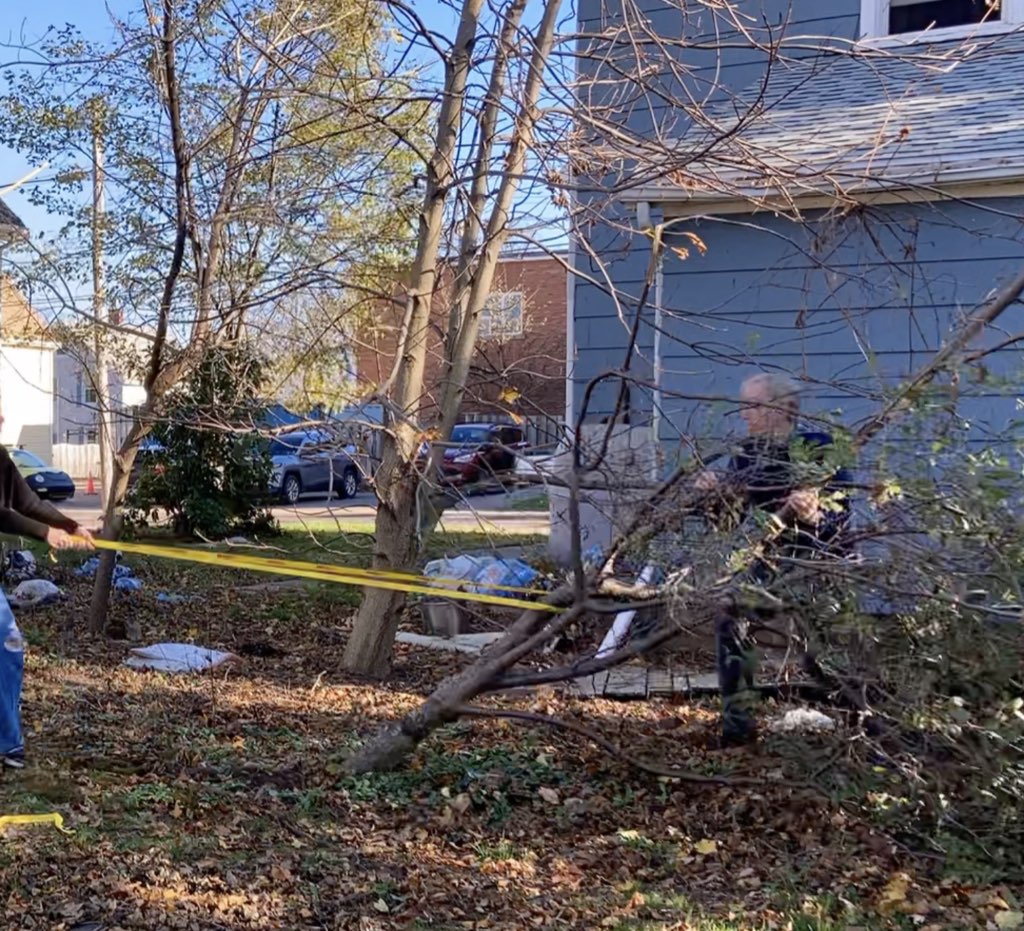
638 682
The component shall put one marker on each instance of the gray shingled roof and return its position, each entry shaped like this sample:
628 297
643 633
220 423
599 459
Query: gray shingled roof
9 219
841 122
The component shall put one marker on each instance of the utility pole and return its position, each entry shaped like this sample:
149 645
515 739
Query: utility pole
101 368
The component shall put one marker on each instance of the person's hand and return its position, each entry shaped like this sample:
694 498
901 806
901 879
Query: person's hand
706 481
62 540
805 505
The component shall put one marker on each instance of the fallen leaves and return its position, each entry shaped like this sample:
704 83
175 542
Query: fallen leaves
220 802
894 894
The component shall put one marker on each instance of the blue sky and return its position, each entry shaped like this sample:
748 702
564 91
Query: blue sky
24 23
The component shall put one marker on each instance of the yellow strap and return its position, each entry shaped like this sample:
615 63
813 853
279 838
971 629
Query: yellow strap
330 568
368 578
51 818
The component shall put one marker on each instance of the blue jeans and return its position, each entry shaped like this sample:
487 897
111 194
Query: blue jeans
12 668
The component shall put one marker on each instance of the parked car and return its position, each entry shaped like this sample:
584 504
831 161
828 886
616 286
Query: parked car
536 465
479 451
304 462
43 479
147 457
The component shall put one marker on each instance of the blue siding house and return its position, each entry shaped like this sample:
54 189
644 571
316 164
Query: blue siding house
851 186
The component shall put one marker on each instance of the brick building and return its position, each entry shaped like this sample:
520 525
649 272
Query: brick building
521 348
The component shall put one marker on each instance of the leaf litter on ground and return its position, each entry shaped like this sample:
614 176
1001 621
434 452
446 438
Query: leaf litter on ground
219 801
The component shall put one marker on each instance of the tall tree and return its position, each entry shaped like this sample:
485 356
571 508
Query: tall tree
231 184
480 171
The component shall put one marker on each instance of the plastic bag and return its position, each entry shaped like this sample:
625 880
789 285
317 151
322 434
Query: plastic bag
177 657
89 567
35 592
126 583
802 719
21 566
487 574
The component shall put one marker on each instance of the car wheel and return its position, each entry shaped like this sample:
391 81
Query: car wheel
349 484
291 489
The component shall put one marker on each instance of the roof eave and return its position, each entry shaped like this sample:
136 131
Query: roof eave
675 201
9 234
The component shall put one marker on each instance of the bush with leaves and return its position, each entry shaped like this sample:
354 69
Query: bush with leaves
209 469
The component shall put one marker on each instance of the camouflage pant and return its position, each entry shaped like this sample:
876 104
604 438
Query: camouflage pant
736 649
736 656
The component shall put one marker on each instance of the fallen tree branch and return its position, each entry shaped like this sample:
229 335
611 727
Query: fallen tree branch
654 769
987 314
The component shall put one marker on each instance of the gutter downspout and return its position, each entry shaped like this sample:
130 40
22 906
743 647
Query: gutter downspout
570 335
656 397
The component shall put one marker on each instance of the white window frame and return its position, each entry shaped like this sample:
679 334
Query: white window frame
501 300
874 25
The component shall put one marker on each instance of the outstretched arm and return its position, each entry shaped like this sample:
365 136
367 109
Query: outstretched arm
25 514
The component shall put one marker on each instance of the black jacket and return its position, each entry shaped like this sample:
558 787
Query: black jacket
22 512
764 469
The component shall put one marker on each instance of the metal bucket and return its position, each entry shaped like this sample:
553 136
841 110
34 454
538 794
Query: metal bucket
442 617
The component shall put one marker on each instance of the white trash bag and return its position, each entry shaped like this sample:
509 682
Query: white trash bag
177 657
35 593
802 720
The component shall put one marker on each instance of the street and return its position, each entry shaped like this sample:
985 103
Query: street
484 513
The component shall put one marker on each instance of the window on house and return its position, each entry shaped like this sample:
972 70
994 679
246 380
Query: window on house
91 436
502 315
90 395
941 18
915 15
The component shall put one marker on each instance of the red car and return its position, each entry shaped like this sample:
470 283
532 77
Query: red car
479 452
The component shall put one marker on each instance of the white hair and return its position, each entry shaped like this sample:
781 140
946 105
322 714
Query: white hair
776 389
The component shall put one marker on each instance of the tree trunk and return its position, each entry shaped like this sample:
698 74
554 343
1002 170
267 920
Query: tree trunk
394 742
369 648
113 522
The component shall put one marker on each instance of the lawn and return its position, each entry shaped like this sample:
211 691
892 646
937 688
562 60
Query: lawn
219 802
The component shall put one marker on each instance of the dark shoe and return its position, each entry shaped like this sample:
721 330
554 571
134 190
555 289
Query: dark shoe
738 734
14 759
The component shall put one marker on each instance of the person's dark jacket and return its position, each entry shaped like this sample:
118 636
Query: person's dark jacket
22 512
766 470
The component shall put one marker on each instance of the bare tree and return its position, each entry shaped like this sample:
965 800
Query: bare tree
405 511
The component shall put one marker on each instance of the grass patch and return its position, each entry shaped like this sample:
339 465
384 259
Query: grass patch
496 779
538 502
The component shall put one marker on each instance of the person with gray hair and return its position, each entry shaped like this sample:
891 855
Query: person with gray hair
764 475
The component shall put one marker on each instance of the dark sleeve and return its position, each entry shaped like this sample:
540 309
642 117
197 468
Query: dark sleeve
836 517
22 512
